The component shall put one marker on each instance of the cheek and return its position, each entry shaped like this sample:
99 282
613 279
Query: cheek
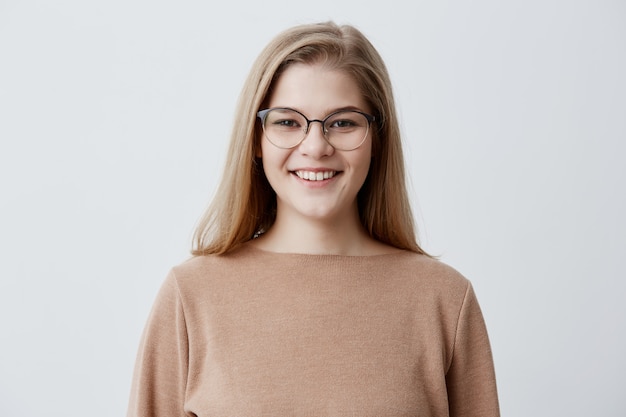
365 158
264 152
273 159
361 167
365 171
365 163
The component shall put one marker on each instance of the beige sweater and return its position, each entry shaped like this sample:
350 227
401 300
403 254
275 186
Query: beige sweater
255 333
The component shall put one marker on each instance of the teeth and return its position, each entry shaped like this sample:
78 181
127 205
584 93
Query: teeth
315 176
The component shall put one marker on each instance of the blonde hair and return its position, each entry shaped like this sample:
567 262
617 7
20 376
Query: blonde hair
245 203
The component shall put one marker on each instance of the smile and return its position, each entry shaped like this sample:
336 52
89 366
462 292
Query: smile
315 176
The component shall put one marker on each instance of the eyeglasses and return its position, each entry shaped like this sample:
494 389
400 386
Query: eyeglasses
286 128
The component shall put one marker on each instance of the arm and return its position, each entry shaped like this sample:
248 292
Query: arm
160 378
470 378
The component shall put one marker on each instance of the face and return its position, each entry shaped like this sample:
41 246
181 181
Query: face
314 180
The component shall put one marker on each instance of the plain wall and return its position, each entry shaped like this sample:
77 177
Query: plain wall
114 117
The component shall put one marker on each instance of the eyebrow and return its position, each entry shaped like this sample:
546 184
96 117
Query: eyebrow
328 112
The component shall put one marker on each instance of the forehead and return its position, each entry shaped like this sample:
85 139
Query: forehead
316 90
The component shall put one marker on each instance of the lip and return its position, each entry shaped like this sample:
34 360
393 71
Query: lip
315 176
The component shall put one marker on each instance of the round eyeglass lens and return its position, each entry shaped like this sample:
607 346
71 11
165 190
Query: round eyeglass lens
346 130
284 128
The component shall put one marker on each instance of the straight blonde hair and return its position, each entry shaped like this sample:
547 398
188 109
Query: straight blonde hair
245 203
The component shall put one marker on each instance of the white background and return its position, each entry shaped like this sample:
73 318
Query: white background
113 121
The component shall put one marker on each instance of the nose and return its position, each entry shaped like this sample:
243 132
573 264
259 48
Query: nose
315 143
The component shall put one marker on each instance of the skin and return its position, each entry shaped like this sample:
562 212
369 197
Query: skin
317 217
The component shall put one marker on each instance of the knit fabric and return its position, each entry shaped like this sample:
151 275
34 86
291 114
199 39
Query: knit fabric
255 333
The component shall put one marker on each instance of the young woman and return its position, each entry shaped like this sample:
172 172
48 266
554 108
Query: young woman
308 294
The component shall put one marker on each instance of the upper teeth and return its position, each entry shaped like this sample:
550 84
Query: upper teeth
315 176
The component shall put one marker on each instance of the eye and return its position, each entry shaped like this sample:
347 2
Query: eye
343 124
284 120
286 123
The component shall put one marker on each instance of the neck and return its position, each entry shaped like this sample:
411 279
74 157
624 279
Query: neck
312 236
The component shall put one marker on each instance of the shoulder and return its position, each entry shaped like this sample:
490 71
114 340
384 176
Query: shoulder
427 270
202 266
429 285
206 272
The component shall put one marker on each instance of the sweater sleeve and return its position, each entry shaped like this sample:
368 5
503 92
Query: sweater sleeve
471 378
160 376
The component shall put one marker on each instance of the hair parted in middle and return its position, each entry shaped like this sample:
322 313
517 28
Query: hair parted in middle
245 203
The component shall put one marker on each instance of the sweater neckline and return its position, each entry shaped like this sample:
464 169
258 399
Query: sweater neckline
247 247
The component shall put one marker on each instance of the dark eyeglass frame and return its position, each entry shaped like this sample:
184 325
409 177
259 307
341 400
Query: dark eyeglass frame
262 114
